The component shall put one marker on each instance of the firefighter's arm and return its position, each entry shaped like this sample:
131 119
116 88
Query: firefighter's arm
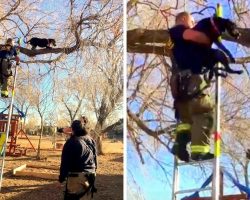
196 36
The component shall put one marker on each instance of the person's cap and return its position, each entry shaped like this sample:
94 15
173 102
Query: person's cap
76 125
78 128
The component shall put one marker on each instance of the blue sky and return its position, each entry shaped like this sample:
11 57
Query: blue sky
150 179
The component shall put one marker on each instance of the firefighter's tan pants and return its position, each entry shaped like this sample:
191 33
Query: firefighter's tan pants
198 112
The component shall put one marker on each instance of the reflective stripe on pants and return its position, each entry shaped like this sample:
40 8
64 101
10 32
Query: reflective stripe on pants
5 92
200 148
183 127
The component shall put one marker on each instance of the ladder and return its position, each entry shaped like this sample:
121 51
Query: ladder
216 161
177 165
2 157
215 189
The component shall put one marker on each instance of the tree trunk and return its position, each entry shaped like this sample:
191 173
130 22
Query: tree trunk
54 138
99 145
98 129
38 157
144 40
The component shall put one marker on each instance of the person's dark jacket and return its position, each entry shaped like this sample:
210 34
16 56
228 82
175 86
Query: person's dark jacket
78 155
7 54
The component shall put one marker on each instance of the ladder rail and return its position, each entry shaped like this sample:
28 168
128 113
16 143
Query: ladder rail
8 126
175 178
194 163
193 190
216 164
217 136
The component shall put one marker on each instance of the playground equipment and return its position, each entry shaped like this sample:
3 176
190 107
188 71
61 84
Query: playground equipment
217 177
16 130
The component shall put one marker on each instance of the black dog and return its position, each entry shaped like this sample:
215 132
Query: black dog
34 42
205 56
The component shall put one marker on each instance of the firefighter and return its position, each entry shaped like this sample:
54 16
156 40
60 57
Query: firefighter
193 105
78 163
8 52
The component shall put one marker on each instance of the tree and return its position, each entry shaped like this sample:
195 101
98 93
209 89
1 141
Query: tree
149 101
71 93
23 93
106 91
41 103
83 25
154 41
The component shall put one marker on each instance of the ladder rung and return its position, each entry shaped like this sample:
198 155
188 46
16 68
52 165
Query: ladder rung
193 190
194 162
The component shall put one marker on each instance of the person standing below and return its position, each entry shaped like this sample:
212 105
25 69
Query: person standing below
78 163
193 105
8 52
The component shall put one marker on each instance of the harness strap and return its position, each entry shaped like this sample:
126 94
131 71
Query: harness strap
215 28
183 84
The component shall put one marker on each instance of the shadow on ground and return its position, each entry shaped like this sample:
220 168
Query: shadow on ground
110 187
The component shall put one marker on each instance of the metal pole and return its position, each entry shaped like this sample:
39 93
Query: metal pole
217 136
175 178
8 125
216 174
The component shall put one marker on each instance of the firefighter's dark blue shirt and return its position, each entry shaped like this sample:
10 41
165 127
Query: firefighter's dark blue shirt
7 52
78 155
188 54
181 48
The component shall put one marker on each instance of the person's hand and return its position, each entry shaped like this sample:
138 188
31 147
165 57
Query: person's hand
17 60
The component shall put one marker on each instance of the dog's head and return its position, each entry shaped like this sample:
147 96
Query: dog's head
227 25
232 29
53 42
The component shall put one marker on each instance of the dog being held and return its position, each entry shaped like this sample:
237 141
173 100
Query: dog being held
41 42
204 56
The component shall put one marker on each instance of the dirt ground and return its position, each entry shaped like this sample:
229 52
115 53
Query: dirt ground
109 181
